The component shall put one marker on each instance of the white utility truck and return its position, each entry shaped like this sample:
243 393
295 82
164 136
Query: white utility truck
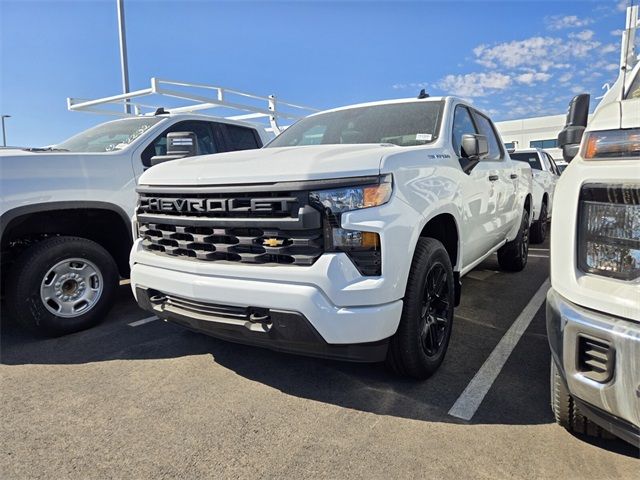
65 228
545 177
345 237
593 307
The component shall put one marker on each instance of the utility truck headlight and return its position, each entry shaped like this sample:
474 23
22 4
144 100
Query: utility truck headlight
346 199
363 248
609 231
612 144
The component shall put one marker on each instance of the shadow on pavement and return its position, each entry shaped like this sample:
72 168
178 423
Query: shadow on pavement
520 396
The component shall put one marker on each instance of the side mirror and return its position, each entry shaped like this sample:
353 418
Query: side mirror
179 145
571 135
475 148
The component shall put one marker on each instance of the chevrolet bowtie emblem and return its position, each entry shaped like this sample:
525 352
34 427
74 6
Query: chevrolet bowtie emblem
273 242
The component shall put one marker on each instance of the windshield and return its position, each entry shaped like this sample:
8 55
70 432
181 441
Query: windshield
403 124
109 136
531 158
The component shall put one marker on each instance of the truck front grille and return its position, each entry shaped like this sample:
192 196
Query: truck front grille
248 245
248 227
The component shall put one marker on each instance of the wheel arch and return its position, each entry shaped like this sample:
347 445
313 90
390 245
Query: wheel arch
528 201
105 223
444 228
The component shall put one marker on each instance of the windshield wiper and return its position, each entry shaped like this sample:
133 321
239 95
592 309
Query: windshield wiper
46 149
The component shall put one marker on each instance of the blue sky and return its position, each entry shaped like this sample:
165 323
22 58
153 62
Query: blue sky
512 58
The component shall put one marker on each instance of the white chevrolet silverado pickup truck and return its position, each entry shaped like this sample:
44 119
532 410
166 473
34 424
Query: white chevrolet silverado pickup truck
593 306
345 237
545 177
65 228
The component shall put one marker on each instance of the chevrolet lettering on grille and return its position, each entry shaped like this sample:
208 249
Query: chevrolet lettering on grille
207 205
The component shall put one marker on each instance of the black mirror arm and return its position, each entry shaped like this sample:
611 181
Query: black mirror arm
468 163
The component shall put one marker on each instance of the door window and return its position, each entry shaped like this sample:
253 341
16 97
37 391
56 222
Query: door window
241 138
486 129
462 125
554 167
204 139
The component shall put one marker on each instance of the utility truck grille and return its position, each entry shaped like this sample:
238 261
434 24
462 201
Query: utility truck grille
247 227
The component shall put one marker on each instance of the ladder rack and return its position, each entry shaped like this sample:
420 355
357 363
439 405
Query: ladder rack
232 104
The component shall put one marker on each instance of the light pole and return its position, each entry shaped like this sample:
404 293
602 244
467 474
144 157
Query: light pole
4 135
124 67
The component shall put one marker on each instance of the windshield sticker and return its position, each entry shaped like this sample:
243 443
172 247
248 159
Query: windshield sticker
425 137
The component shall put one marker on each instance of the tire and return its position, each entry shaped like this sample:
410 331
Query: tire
61 285
566 412
513 255
419 345
538 231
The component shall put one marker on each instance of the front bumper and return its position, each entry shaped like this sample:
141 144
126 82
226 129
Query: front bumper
279 330
305 305
613 403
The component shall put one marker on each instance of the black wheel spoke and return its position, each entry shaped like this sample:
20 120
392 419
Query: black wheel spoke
435 311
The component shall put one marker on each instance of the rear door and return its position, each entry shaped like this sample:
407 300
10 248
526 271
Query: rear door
551 179
500 175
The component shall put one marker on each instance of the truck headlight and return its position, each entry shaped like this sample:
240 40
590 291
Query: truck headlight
345 199
609 230
363 248
605 144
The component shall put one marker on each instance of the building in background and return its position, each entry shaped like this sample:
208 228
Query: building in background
538 132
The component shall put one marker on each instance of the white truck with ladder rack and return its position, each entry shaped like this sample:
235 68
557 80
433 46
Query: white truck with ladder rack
65 229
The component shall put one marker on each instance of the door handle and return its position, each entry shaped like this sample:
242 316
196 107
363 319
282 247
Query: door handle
493 178
513 175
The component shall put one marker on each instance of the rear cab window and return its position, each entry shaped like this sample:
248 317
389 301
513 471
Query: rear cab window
531 158
241 138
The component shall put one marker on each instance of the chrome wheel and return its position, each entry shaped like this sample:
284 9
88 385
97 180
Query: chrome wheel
71 287
435 312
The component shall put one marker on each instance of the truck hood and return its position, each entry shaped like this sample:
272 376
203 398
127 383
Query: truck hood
268 165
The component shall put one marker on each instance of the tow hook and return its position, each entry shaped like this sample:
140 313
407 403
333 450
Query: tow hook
259 316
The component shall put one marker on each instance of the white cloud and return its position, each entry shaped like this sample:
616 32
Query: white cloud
474 84
622 5
565 77
559 22
402 86
540 53
583 35
537 75
616 33
531 78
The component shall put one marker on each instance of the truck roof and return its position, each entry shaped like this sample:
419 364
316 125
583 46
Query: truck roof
381 102
198 116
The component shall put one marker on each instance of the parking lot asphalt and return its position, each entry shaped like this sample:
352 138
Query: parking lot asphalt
156 401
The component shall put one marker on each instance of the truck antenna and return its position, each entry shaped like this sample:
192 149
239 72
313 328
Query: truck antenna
423 94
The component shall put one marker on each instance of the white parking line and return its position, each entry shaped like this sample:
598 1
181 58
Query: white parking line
539 249
468 402
125 282
538 256
142 322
